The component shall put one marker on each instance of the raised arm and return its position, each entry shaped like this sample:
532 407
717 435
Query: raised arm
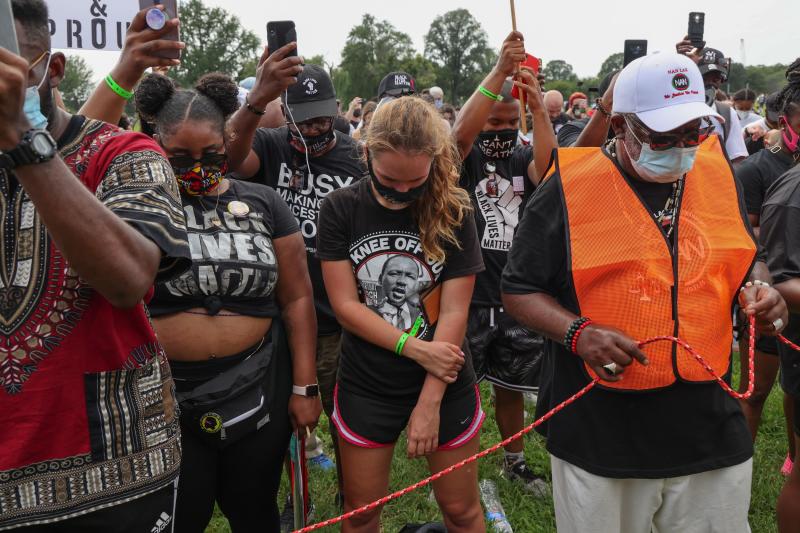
596 131
544 140
139 53
276 72
473 115
109 254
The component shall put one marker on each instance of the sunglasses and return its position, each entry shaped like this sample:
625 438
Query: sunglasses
183 163
664 141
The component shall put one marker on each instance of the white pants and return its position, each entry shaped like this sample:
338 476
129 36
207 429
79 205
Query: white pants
716 501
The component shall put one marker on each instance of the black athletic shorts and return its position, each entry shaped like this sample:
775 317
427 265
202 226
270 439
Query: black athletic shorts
504 352
790 369
370 423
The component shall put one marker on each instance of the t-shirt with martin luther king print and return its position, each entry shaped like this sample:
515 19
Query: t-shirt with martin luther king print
284 169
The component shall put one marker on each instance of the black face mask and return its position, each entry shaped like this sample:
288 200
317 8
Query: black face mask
711 95
316 145
497 144
394 196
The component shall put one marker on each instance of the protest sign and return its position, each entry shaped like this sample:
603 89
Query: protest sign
90 24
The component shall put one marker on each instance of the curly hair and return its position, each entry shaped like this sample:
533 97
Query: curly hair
790 94
412 126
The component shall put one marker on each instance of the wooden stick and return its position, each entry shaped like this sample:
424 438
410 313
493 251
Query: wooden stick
523 117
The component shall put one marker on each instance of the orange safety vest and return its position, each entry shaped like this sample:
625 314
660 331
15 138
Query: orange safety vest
625 275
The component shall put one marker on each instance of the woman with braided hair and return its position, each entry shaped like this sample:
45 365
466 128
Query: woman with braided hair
780 216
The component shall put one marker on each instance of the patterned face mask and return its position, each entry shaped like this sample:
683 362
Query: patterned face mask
200 177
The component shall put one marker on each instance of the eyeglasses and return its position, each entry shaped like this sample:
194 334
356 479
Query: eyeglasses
664 141
184 163
319 124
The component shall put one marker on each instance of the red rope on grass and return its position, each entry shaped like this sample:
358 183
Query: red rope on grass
553 412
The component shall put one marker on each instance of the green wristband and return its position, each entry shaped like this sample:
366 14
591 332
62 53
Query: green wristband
114 86
489 94
401 343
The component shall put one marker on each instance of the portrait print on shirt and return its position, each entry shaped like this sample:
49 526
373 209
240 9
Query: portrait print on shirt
395 282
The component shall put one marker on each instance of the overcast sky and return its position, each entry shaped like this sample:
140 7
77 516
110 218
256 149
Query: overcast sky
581 32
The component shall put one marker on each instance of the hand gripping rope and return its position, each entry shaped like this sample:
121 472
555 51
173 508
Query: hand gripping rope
556 409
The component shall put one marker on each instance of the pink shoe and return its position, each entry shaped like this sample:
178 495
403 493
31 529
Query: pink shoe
788 464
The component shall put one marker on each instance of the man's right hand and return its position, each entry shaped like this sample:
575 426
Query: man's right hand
275 74
600 345
442 359
685 47
13 82
511 54
142 46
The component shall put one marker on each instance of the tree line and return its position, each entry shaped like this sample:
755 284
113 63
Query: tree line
456 57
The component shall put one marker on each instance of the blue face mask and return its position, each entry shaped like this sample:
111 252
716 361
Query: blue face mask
662 166
33 104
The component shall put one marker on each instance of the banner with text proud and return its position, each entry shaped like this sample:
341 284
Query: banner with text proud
90 24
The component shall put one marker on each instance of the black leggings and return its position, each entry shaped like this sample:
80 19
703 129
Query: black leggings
243 477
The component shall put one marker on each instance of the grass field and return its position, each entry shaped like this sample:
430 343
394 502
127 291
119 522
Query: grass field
526 514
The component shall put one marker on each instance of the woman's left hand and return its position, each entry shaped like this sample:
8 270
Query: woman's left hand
767 305
423 430
304 412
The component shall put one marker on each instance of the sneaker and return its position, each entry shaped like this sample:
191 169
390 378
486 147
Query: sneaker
287 516
788 465
532 483
322 461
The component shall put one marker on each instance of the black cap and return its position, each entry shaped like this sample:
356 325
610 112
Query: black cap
713 60
397 84
312 96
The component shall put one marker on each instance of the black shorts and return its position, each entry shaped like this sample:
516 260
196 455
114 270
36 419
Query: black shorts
371 423
790 369
504 352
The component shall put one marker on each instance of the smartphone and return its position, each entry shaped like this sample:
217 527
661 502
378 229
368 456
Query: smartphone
634 49
171 9
8 34
697 22
279 34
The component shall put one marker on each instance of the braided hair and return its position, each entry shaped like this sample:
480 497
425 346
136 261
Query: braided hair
790 94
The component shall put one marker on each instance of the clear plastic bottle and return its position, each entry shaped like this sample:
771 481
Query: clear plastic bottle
495 515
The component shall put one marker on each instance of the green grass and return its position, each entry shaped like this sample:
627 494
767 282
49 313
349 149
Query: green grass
526 514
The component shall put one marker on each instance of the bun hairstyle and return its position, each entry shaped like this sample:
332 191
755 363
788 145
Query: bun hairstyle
790 94
161 103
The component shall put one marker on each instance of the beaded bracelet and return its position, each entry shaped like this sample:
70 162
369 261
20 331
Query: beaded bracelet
489 94
114 86
574 345
570 338
252 109
599 103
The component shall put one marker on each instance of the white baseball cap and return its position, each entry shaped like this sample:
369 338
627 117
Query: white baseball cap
665 91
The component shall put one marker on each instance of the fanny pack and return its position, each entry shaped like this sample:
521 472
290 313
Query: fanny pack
237 402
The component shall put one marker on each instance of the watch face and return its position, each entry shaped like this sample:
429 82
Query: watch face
42 145
312 390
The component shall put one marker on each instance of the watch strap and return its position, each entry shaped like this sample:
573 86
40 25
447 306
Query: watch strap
306 390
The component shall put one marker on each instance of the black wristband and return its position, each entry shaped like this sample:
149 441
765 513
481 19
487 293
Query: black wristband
572 330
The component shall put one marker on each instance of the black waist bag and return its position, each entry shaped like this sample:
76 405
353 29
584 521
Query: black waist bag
236 402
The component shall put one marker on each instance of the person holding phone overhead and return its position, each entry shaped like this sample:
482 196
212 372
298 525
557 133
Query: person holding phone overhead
399 254
91 219
304 161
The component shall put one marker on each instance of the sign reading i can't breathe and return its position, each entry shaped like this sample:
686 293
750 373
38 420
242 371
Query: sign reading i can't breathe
90 24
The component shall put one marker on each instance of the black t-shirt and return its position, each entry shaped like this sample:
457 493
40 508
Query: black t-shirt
681 430
569 132
333 170
395 281
499 190
234 266
780 218
559 122
757 173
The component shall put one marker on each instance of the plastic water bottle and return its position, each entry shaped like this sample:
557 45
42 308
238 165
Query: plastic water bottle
495 515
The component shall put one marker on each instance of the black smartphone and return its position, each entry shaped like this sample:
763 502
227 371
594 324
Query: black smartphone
697 23
279 34
171 10
8 34
634 49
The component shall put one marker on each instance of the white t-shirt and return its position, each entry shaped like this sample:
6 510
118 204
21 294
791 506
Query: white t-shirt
734 144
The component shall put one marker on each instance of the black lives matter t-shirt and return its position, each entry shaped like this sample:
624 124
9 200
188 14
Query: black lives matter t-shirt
234 265
395 281
683 429
499 190
281 165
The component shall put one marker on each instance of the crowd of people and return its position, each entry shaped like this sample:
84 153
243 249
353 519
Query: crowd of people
177 301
